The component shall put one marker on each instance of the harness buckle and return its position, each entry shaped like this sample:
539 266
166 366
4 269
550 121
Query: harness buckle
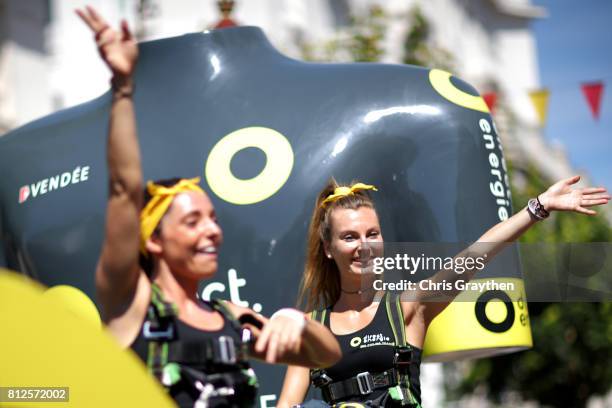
320 379
227 350
403 357
247 336
157 334
365 383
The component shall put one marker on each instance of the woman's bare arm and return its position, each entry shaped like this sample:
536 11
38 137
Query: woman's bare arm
295 386
559 197
118 272
316 347
282 341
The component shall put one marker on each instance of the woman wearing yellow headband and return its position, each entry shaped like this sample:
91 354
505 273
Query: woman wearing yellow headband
381 345
194 348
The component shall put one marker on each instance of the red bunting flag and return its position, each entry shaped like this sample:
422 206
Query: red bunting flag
490 99
592 92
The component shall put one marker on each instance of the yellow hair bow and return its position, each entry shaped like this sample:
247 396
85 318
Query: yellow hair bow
340 192
156 208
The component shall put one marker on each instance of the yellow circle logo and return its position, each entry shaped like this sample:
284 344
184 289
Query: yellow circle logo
355 341
279 163
440 81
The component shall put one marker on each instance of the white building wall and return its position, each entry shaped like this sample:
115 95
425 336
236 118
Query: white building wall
77 75
72 72
27 73
8 116
23 62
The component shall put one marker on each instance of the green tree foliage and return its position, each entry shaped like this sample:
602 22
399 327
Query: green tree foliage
366 34
570 360
418 49
569 363
362 41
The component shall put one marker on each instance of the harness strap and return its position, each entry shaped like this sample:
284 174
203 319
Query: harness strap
221 351
245 335
221 307
159 329
404 355
318 376
395 315
319 315
163 309
362 384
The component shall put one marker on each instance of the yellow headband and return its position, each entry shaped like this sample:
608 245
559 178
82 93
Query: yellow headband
156 208
340 192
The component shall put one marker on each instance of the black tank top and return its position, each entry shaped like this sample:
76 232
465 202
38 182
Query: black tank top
186 334
371 349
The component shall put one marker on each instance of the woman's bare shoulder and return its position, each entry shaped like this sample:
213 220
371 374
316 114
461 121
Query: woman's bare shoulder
124 320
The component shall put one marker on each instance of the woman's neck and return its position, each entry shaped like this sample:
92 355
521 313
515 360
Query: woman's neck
176 289
354 301
183 293
356 293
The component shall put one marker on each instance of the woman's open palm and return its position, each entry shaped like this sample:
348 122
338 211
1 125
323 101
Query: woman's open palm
118 49
562 197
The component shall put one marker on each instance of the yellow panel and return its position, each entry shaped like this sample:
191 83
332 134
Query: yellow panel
457 332
75 302
45 345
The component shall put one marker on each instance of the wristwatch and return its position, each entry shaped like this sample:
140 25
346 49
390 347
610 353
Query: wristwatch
535 208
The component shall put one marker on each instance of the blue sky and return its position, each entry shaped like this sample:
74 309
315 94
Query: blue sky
574 46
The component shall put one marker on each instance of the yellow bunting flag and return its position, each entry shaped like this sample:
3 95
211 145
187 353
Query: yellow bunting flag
539 99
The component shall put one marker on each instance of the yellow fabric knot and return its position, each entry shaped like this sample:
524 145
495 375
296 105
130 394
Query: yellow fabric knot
340 192
156 208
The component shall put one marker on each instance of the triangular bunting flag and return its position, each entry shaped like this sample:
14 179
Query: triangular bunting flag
592 92
490 99
540 103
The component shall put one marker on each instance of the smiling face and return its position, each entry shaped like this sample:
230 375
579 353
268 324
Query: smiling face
189 237
351 231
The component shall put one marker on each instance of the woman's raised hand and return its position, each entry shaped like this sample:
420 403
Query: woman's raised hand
562 197
118 49
281 334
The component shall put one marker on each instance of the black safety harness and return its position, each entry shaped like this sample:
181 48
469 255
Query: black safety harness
396 380
206 369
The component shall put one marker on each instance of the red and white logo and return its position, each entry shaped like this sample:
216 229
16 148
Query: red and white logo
24 193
